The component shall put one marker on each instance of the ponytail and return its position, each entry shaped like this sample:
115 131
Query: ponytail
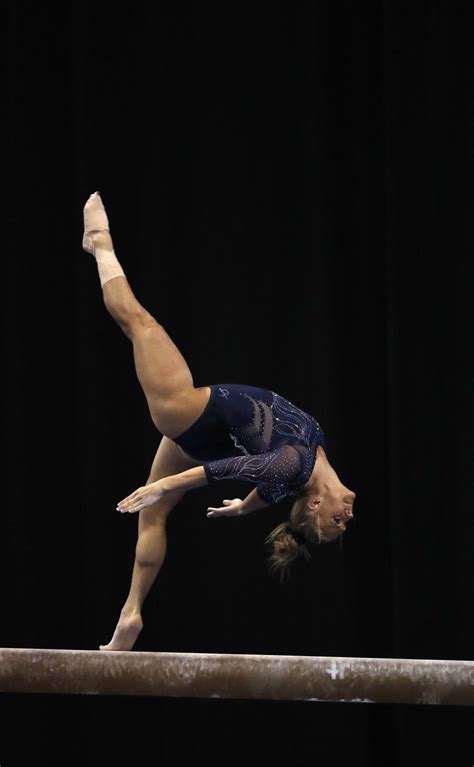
287 544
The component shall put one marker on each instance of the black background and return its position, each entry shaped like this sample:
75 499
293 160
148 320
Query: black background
290 194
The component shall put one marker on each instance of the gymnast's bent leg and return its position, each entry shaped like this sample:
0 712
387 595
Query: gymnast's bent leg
173 400
150 550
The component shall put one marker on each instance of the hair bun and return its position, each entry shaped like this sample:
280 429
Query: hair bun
297 536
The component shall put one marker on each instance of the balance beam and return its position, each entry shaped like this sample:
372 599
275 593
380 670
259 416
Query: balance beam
253 677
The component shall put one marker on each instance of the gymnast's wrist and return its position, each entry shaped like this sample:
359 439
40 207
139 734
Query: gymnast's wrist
166 484
186 480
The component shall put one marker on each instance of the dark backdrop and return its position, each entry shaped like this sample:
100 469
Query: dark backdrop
290 194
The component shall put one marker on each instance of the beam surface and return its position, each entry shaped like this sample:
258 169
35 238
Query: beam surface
255 677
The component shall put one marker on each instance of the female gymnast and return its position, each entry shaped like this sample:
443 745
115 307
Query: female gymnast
282 447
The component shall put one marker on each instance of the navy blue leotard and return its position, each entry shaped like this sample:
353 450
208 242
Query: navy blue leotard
277 439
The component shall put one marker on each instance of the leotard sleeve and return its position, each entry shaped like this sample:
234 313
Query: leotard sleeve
271 472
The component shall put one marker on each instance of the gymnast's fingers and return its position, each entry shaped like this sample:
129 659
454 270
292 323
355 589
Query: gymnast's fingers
129 498
130 503
129 508
217 512
221 511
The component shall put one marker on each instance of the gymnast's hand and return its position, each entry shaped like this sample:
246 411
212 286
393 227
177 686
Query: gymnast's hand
142 497
229 509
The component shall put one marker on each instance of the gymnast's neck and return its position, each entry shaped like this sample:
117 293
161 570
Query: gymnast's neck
323 478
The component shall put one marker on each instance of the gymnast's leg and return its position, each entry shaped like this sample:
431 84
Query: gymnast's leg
151 546
173 401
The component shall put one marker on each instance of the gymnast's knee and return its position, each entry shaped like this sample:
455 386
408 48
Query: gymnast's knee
134 320
156 515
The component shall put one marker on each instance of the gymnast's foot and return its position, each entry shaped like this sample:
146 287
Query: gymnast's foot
125 635
96 225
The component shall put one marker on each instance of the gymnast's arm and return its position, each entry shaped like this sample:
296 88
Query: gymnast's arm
149 494
197 477
188 480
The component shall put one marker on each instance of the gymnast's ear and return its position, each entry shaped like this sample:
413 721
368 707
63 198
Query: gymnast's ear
314 502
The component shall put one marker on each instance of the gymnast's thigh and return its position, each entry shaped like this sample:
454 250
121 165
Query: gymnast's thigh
169 459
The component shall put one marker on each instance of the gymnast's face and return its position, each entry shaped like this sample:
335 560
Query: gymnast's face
332 513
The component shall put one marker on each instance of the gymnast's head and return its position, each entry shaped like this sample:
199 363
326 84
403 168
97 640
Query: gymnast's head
319 515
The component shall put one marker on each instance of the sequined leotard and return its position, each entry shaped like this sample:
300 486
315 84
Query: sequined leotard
278 440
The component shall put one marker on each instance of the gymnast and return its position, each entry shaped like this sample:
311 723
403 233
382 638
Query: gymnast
283 449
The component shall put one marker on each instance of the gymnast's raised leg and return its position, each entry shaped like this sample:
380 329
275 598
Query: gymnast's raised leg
174 403
173 400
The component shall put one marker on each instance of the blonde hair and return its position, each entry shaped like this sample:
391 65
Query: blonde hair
289 539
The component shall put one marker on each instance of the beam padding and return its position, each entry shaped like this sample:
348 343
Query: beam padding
255 677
